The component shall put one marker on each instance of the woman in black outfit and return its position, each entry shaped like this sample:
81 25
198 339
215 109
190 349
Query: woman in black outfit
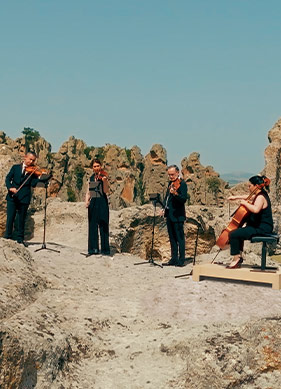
98 211
259 222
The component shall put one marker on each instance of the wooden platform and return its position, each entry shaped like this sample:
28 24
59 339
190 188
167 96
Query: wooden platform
242 274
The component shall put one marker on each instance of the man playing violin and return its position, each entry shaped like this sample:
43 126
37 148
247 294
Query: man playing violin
174 211
259 222
19 183
98 211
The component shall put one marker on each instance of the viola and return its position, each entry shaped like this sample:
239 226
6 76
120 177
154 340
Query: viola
239 216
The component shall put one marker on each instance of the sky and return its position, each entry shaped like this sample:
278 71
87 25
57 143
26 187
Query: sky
193 75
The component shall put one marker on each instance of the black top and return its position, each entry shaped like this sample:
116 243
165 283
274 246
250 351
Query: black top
174 204
99 204
14 179
262 220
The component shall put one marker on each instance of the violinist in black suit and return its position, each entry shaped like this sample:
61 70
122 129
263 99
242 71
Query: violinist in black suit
19 183
174 211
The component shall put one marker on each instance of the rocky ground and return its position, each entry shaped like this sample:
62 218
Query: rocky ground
70 322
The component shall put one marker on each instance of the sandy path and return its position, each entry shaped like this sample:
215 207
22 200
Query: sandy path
138 319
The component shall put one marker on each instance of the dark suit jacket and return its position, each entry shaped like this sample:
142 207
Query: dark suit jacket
175 203
14 179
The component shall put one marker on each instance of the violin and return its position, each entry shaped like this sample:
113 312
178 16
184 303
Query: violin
172 189
36 170
31 170
175 185
239 216
100 175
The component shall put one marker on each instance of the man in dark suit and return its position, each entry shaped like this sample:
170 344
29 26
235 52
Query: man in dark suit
174 212
19 184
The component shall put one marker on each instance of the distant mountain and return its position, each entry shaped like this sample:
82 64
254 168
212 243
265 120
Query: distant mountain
234 178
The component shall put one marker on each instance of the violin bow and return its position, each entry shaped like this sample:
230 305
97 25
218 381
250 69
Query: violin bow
25 181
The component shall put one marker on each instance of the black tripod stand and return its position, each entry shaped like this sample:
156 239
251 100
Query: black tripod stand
44 247
151 261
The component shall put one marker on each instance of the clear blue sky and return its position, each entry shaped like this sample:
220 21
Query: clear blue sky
201 75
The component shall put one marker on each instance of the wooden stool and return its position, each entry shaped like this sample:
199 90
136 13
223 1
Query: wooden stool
270 238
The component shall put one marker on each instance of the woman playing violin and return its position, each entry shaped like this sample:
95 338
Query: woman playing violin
259 222
98 210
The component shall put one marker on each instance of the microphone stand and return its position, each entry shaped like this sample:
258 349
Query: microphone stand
151 261
44 247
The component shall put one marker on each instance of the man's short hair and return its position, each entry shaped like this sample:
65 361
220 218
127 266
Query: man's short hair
32 153
174 167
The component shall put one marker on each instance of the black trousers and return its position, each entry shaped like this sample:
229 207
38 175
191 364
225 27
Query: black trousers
97 224
15 207
237 237
177 239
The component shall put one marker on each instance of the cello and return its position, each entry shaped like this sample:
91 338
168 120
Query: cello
239 216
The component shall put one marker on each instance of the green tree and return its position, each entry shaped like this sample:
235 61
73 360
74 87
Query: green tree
31 136
139 190
214 186
129 156
70 195
100 154
87 151
79 173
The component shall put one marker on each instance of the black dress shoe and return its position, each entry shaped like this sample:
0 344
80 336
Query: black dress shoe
92 252
172 262
22 242
183 262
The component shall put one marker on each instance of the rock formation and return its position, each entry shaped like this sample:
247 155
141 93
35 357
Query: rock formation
272 170
204 185
130 228
155 171
132 177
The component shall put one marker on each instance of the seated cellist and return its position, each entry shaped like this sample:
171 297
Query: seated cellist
259 221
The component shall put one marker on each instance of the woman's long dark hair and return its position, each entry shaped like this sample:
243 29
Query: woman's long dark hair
95 160
260 180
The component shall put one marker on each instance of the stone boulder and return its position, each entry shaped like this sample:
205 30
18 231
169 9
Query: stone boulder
155 171
273 161
130 228
204 184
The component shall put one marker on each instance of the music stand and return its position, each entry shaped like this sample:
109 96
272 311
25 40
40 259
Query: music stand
45 184
155 197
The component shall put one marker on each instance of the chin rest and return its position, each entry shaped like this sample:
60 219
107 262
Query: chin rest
268 238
